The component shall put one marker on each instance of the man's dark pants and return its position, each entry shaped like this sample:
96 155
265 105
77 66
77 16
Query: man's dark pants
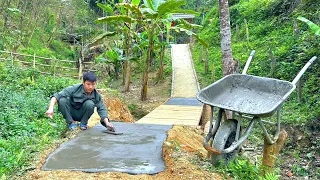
71 114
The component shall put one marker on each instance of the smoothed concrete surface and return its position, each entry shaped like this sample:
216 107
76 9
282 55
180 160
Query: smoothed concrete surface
137 151
184 78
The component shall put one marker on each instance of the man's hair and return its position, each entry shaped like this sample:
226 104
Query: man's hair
89 76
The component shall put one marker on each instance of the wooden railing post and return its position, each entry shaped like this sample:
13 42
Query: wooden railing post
54 67
34 65
12 61
206 68
80 68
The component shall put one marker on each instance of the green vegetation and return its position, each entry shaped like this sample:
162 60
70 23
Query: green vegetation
243 169
24 129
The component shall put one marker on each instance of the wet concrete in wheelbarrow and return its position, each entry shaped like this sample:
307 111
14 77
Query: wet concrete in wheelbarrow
137 151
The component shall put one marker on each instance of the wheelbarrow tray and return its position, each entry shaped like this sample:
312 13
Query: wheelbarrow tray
247 94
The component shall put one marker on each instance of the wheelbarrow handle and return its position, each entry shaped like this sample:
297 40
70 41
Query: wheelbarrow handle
245 69
297 78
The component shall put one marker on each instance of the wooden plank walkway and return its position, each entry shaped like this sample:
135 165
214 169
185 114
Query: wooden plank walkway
184 85
173 114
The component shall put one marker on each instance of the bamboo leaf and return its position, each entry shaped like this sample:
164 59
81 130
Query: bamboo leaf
130 58
156 3
132 8
107 8
114 19
148 10
201 41
99 38
135 2
148 4
314 27
184 11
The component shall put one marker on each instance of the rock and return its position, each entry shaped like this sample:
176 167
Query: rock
289 173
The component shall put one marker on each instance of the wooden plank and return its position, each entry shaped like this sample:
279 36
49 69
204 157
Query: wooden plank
173 114
178 107
170 122
168 119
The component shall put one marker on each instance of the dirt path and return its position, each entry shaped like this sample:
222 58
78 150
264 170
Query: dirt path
184 80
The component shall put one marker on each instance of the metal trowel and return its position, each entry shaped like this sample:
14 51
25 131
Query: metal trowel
52 122
112 130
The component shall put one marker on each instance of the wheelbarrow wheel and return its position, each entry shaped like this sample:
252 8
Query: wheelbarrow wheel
224 137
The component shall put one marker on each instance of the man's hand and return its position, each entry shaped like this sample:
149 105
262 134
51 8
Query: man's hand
108 124
49 113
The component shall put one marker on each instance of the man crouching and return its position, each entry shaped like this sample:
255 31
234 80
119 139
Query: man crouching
77 103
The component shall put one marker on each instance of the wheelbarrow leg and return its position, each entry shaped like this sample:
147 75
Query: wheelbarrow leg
212 130
271 140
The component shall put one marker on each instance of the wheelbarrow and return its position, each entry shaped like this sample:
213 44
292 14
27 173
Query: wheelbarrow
247 97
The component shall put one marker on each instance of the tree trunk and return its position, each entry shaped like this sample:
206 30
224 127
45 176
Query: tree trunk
162 53
225 35
247 32
237 33
295 27
57 25
128 67
206 67
125 65
200 54
160 72
271 151
213 77
144 89
6 14
273 63
127 78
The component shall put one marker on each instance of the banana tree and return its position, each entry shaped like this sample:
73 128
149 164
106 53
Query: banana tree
314 27
125 27
150 17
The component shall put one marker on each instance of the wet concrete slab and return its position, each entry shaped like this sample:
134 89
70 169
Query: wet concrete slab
183 101
137 151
